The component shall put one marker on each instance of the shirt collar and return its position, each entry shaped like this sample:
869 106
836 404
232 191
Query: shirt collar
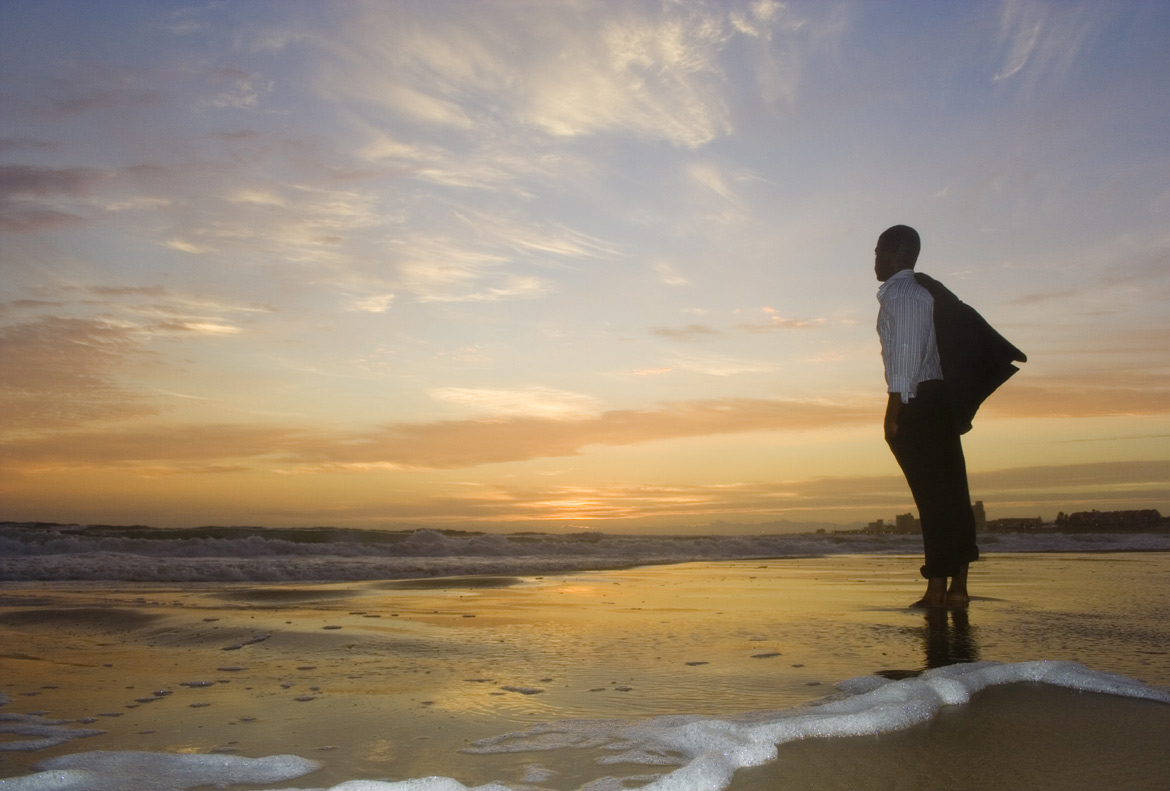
900 275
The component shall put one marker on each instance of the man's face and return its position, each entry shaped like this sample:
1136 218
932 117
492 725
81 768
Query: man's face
883 261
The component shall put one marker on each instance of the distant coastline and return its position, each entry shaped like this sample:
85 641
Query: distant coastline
1081 522
1094 521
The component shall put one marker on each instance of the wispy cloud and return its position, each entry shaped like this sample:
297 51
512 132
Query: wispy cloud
668 275
689 332
60 372
544 241
439 270
775 321
237 89
630 69
1039 39
716 365
375 303
485 258
538 402
63 370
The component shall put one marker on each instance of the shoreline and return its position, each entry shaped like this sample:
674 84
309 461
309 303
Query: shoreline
392 679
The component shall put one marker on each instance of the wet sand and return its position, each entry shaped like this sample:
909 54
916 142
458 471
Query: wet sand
1018 736
393 680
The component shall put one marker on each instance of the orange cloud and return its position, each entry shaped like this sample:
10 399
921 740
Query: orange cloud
1101 394
438 445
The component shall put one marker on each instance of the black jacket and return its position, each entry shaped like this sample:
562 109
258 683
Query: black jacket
975 358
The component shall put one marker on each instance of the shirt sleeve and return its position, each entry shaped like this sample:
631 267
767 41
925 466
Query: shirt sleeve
904 325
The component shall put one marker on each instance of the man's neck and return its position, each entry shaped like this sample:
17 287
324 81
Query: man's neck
901 273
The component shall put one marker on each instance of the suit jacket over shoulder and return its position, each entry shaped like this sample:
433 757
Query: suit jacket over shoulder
975 358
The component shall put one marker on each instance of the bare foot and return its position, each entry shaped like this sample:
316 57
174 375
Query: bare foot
957 594
936 594
959 601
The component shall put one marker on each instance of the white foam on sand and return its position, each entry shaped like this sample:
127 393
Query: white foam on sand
672 753
120 771
37 731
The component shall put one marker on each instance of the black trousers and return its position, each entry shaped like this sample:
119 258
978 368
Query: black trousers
930 453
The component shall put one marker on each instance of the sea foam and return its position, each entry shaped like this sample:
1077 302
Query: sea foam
672 753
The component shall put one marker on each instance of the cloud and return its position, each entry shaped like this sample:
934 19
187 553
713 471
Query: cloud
1097 394
713 178
1075 476
668 275
540 240
184 246
262 197
453 444
475 262
24 144
176 446
451 276
58 373
773 323
866 497
540 402
374 303
238 89
689 332
653 77
94 87
719 366
1039 39
34 199
61 370
523 425
258 213
777 322
569 70
758 18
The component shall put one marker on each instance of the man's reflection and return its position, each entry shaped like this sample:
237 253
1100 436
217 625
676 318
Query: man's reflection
948 638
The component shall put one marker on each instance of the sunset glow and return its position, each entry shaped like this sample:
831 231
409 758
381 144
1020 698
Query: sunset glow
530 265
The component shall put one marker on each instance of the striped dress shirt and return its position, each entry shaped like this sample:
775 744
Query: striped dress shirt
905 326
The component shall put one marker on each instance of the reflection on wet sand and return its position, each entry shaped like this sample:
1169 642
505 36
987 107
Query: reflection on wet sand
946 637
432 665
949 638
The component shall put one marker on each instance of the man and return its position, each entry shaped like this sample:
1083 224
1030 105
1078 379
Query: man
920 426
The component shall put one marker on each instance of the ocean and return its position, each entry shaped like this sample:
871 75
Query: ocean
432 661
239 554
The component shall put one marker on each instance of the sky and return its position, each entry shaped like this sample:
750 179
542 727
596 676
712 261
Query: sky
567 264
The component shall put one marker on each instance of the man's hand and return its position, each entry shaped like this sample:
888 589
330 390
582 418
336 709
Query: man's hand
893 412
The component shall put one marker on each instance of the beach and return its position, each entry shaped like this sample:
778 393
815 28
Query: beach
586 679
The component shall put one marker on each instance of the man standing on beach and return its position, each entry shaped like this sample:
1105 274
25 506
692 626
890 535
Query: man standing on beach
919 426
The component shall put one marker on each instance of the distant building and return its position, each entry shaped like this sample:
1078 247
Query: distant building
1111 521
1014 524
903 523
1147 521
